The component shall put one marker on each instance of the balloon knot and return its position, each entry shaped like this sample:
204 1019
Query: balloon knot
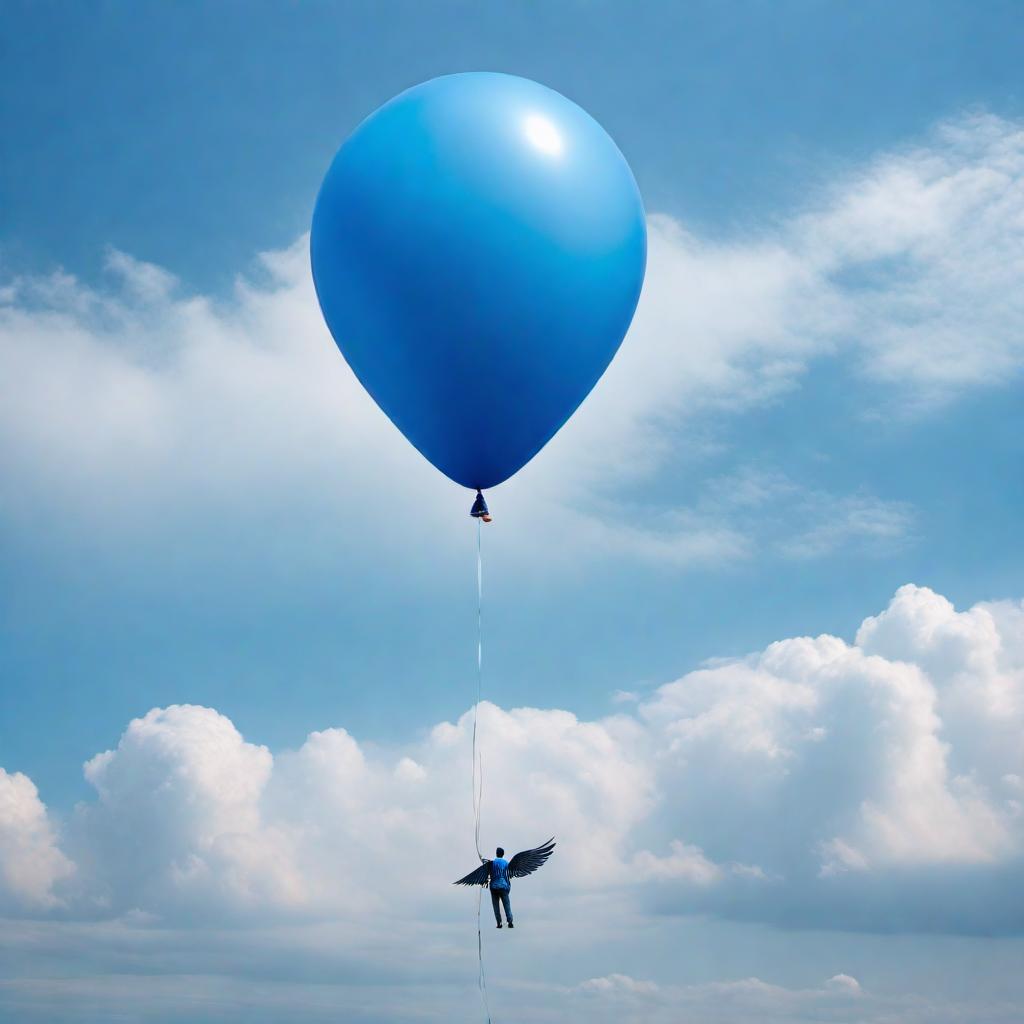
480 509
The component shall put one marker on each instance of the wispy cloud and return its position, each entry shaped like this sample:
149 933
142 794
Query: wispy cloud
139 410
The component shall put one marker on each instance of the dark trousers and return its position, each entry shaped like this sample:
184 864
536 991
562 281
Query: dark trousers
501 894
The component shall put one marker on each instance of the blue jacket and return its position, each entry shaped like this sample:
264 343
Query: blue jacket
499 874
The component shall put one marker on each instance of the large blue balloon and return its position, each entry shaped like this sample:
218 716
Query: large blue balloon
478 248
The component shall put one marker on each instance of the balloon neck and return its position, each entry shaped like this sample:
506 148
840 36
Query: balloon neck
480 509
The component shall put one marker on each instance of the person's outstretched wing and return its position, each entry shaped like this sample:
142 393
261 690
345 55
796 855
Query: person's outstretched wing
528 861
478 877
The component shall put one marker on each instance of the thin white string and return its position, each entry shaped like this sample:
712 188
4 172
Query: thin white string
478 764
478 761
482 978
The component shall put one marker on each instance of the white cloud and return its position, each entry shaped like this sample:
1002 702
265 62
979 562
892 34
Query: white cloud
814 782
872 785
31 863
844 983
931 241
841 998
908 268
191 820
177 821
860 754
613 983
142 412
685 863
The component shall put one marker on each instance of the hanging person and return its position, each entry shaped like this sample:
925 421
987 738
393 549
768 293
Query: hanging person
500 886
497 874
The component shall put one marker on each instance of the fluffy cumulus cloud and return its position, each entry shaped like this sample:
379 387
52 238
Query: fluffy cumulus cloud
883 774
167 412
190 819
815 782
31 862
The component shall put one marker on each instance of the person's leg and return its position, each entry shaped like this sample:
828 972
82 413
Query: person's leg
494 904
507 904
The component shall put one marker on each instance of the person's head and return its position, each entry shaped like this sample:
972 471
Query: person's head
499 852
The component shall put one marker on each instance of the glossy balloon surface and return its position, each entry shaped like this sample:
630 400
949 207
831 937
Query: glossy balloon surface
478 248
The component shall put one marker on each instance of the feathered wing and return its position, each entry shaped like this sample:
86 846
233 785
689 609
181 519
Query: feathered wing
528 861
478 877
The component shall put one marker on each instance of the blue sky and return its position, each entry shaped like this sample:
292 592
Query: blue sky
818 404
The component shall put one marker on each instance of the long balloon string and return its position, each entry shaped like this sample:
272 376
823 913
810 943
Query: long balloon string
478 763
